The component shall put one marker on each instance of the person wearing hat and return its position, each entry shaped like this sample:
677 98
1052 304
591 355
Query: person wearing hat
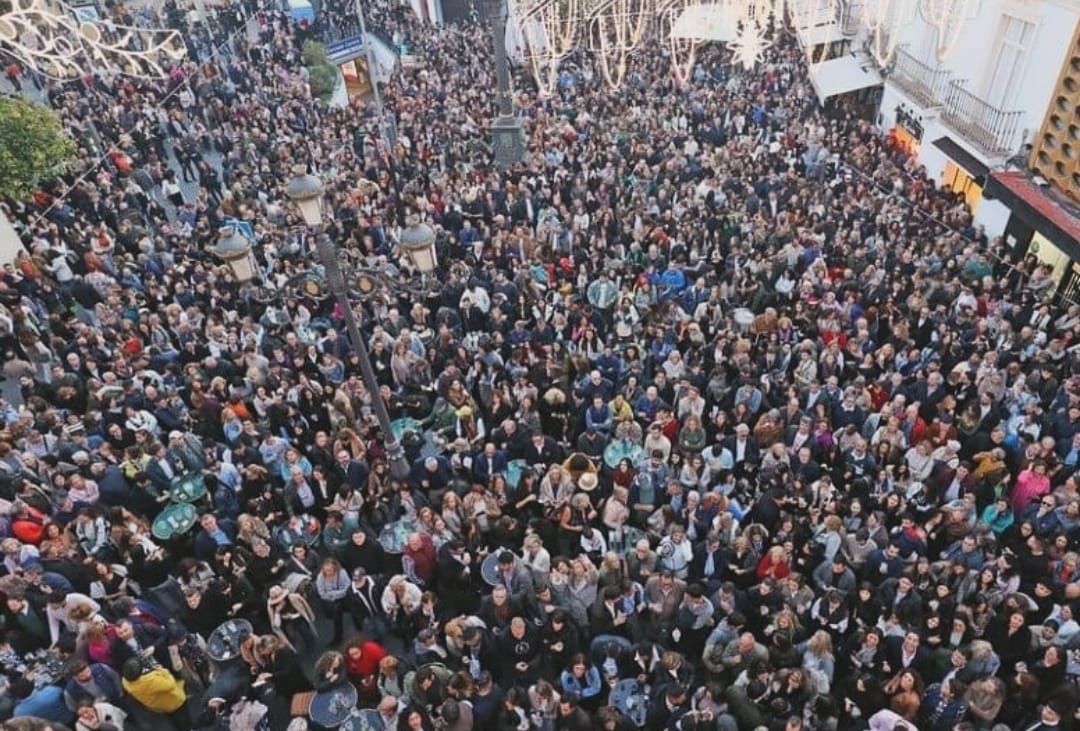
184 449
588 481
1052 715
291 617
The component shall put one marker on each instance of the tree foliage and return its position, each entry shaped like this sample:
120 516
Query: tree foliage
33 146
322 75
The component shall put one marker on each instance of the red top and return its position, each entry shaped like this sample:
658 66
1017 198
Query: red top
368 663
423 558
767 567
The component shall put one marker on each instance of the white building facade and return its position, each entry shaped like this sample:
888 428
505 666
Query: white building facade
970 104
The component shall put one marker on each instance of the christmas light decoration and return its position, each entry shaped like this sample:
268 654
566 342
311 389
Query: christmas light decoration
750 44
53 41
882 19
948 17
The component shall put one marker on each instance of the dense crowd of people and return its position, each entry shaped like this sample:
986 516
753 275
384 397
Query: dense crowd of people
723 415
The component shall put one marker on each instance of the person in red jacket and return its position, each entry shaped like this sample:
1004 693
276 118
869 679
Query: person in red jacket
362 661
27 523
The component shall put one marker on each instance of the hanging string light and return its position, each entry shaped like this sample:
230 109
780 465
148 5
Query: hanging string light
750 43
616 28
550 32
948 17
682 50
882 19
51 40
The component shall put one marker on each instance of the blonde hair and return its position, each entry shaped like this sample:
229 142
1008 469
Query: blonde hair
454 628
791 617
80 611
820 643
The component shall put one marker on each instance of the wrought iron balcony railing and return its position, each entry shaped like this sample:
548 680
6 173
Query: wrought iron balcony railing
991 129
927 86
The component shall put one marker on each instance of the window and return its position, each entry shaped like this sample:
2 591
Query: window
958 180
1007 63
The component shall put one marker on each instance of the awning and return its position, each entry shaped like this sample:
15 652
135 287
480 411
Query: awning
716 22
819 35
961 157
1038 208
810 13
10 243
842 75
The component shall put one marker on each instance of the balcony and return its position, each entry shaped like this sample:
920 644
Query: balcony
992 130
925 85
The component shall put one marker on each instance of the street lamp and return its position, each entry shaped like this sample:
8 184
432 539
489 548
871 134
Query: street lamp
235 250
306 191
417 240
507 136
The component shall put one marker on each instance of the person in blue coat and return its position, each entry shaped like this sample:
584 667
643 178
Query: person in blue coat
583 679
93 682
46 702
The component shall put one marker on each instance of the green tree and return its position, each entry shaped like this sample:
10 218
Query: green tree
322 75
33 145
313 53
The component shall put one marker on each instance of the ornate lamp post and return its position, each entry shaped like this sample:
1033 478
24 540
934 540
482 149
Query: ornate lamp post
418 241
507 136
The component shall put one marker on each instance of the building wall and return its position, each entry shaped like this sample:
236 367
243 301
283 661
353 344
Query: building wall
1055 154
10 244
974 55
429 10
993 216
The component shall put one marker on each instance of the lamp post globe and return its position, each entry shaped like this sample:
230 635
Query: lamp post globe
235 250
417 240
306 191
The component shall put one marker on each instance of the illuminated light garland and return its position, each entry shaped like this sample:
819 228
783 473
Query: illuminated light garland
613 29
683 51
616 28
882 19
59 45
948 17
550 31
750 44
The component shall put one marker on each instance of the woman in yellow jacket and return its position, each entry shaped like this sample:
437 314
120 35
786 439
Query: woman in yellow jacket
154 688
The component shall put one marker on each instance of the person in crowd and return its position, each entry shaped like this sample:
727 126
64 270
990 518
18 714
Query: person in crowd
853 504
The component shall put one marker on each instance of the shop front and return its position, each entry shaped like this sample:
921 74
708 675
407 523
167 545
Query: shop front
907 131
963 172
1041 225
349 55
